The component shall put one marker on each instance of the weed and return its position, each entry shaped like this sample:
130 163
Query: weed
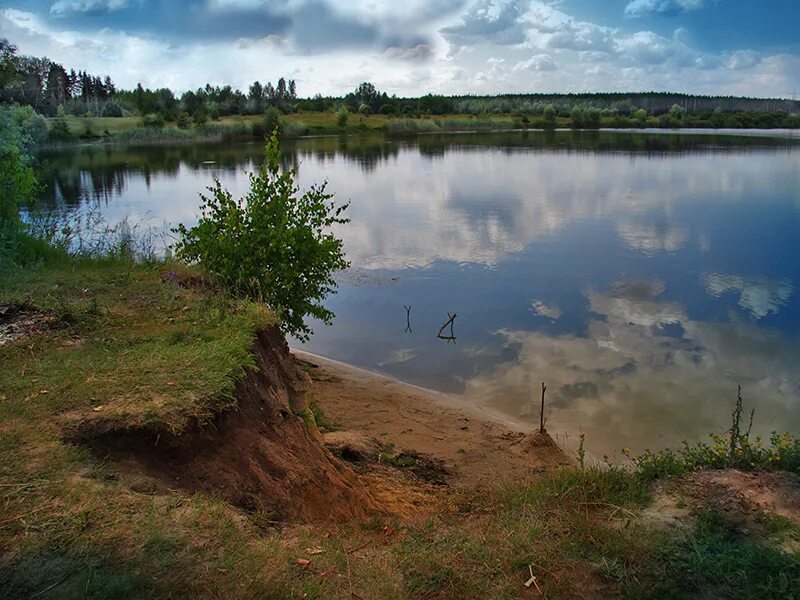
737 451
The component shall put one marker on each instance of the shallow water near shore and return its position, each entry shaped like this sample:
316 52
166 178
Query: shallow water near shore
641 276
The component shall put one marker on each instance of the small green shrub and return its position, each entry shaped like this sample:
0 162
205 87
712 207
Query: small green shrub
736 450
273 245
155 121
111 109
184 121
271 122
60 132
341 118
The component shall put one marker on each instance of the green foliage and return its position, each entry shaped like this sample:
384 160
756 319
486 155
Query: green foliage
60 131
576 118
271 121
9 62
154 121
549 116
365 109
184 121
18 182
592 120
736 450
640 115
272 245
200 116
111 109
341 118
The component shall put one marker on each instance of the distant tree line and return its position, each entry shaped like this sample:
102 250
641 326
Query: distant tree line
51 90
48 87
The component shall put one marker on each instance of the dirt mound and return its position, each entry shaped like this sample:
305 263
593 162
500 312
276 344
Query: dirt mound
540 446
259 456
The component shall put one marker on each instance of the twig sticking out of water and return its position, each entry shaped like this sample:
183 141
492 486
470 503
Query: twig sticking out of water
541 411
408 318
736 418
452 336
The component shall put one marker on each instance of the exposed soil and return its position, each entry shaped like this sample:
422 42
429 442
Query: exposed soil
749 500
404 444
21 321
471 445
260 457
745 496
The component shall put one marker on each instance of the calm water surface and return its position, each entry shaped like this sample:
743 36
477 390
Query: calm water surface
641 276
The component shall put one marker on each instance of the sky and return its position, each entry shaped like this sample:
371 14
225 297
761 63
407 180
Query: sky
409 48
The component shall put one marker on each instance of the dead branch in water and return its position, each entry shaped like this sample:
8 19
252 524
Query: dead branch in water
452 336
408 318
736 417
541 410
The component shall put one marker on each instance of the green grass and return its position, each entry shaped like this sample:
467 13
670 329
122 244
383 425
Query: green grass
129 130
143 349
714 560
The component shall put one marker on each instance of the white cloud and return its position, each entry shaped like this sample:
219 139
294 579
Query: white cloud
537 62
646 47
582 36
758 296
651 239
545 310
742 59
637 8
64 7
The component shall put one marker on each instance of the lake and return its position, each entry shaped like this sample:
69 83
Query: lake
642 276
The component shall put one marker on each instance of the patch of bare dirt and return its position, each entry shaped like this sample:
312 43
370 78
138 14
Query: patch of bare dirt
260 456
18 322
471 445
742 495
745 498
667 510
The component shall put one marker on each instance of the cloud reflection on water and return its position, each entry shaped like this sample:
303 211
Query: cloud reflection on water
646 375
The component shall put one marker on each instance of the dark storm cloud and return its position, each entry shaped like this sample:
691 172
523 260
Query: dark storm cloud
313 26
173 21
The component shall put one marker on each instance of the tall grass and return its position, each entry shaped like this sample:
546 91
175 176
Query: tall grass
455 124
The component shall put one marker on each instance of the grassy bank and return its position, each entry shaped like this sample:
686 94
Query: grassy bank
131 129
151 344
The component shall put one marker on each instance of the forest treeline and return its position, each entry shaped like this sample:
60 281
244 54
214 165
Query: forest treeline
53 91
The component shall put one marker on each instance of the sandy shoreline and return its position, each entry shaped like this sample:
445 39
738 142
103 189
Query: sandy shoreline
476 444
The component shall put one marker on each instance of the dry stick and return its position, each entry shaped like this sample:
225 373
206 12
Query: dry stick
347 554
750 425
541 411
357 548
736 417
452 336
408 318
